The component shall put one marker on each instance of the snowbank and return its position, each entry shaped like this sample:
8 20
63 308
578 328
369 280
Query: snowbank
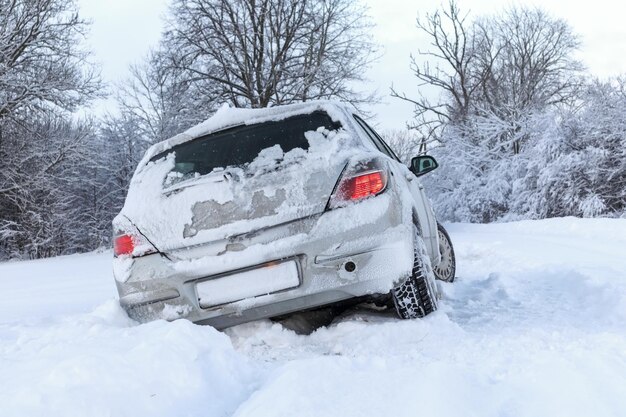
534 326
102 364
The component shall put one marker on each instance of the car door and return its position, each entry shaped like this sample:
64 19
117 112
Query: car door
425 213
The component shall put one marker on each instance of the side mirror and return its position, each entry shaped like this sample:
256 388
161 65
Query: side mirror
423 164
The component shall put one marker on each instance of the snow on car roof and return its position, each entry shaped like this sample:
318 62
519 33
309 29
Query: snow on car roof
227 116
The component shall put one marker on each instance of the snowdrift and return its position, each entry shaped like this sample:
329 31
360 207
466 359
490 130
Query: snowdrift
534 326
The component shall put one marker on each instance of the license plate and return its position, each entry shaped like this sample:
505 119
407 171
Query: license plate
263 280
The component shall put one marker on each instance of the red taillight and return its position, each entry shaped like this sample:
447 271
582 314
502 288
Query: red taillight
364 185
359 186
124 245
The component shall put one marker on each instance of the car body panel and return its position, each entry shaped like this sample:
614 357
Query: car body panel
425 217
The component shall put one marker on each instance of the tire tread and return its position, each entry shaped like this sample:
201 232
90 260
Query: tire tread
413 298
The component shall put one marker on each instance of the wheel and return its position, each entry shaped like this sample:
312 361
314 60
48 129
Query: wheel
417 296
446 269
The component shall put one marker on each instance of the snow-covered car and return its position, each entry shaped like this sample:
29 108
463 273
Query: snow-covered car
259 213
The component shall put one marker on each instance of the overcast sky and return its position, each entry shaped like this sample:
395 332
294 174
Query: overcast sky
124 30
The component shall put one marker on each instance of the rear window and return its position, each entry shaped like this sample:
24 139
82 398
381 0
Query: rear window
239 146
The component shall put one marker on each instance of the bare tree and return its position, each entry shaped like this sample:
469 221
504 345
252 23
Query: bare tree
260 52
161 99
535 66
497 70
453 66
405 143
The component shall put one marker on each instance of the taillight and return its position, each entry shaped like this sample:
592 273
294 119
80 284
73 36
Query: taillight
123 245
355 186
128 241
364 185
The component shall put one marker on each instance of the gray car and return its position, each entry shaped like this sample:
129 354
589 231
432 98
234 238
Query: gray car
265 212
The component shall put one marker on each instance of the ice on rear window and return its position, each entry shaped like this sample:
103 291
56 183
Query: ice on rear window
250 147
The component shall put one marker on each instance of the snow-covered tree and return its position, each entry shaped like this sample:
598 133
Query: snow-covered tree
41 65
504 81
579 167
43 213
44 76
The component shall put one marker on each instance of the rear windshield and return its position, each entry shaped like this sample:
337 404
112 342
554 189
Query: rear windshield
239 146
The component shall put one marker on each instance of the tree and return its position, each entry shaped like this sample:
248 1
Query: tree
534 66
580 168
405 143
41 66
503 80
498 69
459 69
160 100
44 76
534 69
46 213
255 53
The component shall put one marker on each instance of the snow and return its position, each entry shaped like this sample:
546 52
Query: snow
535 325
36 290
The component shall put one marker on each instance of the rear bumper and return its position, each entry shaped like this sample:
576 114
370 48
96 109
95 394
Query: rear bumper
380 246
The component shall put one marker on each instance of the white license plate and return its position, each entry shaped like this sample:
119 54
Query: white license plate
252 283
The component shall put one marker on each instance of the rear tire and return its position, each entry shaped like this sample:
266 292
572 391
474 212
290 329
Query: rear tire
416 296
446 269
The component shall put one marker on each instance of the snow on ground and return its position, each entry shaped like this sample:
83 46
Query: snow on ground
36 290
534 326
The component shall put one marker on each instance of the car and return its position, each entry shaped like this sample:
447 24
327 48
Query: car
260 213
